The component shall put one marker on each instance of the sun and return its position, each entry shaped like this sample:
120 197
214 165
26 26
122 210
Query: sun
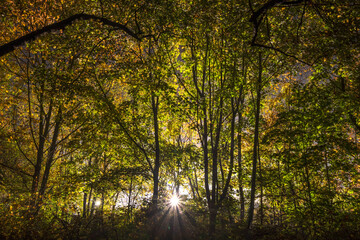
174 201
97 203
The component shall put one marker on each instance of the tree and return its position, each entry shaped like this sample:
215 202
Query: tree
108 108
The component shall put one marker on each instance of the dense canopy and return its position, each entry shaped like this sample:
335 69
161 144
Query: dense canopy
179 119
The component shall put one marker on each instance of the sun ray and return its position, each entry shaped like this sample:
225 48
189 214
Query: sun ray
174 201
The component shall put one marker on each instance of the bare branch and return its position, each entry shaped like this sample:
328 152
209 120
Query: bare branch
282 52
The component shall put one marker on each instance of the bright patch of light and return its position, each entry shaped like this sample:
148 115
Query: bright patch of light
183 191
97 203
174 201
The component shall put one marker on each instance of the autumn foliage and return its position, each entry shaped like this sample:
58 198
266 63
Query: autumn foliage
247 111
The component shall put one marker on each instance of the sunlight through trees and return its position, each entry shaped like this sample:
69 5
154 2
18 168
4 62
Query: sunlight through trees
179 119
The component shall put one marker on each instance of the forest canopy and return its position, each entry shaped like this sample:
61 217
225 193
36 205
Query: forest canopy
179 119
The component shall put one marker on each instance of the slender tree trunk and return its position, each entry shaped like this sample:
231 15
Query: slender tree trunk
129 200
155 108
256 140
84 204
206 172
51 154
192 188
213 206
90 195
241 190
92 206
239 140
44 126
206 157
240 180
261 188
234 110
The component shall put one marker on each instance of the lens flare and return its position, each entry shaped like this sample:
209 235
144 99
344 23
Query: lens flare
174 201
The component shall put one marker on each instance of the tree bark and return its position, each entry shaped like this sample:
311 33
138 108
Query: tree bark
9 47
241 190
155 108
129 199
51 154
44 126
255 150
232 149
84 204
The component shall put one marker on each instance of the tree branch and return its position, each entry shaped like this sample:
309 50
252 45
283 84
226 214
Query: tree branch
353 120
256 22
9 47
254 17
127 133
16 170
282 52
269 5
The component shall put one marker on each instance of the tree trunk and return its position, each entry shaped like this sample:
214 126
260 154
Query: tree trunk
206 157
92 207
256 141
44 126
51 154
261 188
213 215
129 200
155 108
241 190
240 180
84 204
89 200
234 110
